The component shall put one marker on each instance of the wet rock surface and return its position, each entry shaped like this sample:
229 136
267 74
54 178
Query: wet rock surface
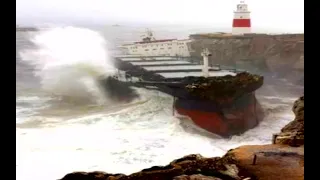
271 161
293 133
276 161
191 167
195 177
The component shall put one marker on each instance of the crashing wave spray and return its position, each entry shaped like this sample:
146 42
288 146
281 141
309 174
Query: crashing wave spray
69 61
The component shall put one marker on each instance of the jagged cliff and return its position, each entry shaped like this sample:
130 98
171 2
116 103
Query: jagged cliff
281 54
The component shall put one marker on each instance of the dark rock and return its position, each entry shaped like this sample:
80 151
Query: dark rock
293 133
195 177
96 175
273 161
156 172
194 164
191 157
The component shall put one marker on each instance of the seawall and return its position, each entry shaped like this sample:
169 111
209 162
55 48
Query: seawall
281 55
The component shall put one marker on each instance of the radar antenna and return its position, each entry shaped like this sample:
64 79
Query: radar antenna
148 36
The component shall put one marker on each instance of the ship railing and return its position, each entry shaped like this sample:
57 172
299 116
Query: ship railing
229 68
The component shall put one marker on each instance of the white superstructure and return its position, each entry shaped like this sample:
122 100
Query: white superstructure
149 46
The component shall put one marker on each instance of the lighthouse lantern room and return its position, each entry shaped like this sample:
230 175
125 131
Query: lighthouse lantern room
241 21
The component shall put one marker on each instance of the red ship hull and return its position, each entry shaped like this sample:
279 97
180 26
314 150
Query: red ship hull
244 114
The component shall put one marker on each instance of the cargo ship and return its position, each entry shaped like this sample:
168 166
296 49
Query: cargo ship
219 100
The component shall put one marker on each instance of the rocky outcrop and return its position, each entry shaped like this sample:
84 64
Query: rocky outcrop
195 177
284 159
262 162
273 161
281 54
189 167
293 133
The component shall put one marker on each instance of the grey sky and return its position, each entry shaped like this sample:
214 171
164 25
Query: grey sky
285 15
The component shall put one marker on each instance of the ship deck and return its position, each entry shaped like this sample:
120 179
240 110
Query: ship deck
174 67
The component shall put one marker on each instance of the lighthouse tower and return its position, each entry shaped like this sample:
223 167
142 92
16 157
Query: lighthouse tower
241 21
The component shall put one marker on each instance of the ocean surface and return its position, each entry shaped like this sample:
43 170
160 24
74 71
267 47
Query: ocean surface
65 123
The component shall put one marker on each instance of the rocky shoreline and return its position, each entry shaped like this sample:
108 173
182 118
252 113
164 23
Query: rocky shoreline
283 159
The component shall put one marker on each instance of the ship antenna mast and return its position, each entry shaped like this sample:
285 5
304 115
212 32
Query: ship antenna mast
148 36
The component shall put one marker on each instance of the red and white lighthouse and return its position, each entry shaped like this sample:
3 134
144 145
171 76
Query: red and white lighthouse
241 21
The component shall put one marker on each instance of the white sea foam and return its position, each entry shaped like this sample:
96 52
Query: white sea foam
69 60
126 141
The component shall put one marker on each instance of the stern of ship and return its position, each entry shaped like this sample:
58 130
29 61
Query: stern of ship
222 105
237 117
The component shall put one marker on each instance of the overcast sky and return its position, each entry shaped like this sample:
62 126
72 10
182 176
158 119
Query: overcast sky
285 15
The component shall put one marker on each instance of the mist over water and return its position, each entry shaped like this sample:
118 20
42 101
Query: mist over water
69 61
62 125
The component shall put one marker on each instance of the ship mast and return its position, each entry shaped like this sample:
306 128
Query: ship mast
205 69
148 36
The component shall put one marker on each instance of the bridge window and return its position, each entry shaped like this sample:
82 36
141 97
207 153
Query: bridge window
154 49
169 47
146 49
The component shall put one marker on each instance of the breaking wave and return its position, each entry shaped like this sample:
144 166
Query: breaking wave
68 61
